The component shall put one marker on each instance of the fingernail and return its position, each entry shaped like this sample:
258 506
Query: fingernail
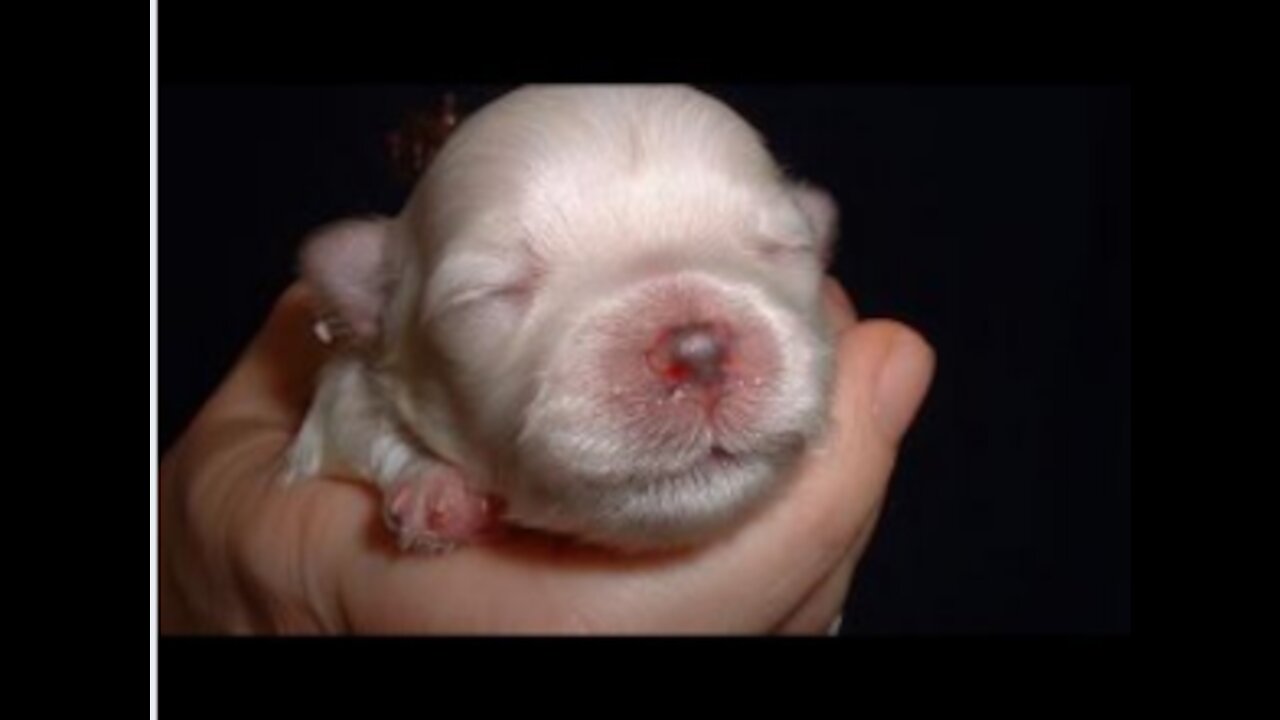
904 380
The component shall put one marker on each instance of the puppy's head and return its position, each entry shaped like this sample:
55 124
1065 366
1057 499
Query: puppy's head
616 293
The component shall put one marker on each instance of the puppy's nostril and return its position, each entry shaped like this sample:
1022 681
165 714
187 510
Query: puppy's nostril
691 353
699 350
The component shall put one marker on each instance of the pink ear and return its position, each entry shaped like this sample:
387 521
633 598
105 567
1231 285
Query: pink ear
343 263
823 214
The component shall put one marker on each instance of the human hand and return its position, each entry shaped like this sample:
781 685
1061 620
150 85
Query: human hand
242 554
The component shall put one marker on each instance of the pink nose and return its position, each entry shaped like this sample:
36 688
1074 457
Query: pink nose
695 353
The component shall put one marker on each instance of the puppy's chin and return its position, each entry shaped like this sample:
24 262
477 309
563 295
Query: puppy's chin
652 512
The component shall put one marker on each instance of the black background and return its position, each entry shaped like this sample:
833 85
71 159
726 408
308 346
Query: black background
994 219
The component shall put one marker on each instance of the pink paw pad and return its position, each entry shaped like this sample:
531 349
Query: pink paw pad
434 512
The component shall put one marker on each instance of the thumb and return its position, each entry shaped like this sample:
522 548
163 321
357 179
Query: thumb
899 368
885 371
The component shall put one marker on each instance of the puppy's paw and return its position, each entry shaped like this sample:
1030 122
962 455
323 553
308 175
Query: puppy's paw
433 511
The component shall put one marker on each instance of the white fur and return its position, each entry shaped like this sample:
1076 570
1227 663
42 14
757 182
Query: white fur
552 227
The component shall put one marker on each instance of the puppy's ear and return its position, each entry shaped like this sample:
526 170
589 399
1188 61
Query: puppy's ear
344 264
823 215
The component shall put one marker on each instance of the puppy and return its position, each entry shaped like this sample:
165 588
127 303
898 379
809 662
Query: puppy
598 314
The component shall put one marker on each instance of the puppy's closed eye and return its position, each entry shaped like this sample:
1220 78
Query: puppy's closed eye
481 281
519 291
780 250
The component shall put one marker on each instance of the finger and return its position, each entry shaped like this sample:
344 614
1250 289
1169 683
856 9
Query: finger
886 368
898 395
824 604
273 379
219 475
818 613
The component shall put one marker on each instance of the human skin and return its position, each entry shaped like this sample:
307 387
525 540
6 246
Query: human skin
241 554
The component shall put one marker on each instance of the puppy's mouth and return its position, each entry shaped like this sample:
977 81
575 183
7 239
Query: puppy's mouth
721 459
712 464
718 456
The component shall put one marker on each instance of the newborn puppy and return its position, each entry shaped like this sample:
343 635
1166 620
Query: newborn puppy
599 314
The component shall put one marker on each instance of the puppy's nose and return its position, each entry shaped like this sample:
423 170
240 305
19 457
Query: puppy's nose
693 353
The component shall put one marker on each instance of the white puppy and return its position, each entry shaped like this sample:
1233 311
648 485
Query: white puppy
599 314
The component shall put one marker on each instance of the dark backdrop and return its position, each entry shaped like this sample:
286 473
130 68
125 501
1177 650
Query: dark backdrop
994 219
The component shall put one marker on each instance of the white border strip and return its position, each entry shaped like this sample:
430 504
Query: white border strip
153 479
